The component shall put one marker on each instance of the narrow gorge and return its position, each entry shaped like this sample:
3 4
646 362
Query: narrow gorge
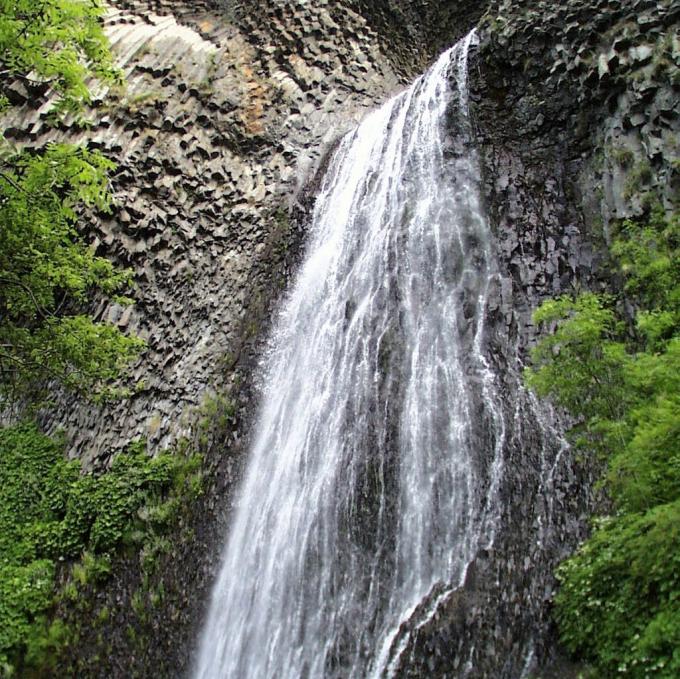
339 217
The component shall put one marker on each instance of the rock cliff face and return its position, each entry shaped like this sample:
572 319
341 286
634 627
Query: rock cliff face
225 115
574 104
229 111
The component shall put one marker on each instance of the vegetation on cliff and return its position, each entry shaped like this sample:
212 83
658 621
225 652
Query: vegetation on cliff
46 274
46 270
57 44
613 361
61 530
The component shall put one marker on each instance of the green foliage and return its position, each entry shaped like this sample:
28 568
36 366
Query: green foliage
638 177
587 370
623 156
47 273
619 604
60 43
648 258
51 513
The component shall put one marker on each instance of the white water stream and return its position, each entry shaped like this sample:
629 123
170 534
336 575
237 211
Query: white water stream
378 449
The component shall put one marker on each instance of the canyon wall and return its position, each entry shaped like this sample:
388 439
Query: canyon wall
576 110
221 133
224 117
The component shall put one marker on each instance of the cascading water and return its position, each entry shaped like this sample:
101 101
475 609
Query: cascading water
375 469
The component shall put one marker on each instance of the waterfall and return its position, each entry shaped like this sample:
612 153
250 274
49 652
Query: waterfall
375 466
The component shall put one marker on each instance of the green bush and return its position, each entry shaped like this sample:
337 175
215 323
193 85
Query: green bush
51 514
619 602
48 270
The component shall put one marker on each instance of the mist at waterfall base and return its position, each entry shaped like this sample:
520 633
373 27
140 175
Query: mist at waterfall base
379 454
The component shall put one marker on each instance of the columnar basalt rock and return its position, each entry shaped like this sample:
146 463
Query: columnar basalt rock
599 80
573 104
227 112
221 120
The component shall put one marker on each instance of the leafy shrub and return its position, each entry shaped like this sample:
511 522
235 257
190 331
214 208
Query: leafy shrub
47 273
619 603
50 513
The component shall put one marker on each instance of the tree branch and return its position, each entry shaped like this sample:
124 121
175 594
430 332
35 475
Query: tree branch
44 313
11 182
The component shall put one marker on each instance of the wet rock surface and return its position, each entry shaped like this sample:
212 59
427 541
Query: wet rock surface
220 136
